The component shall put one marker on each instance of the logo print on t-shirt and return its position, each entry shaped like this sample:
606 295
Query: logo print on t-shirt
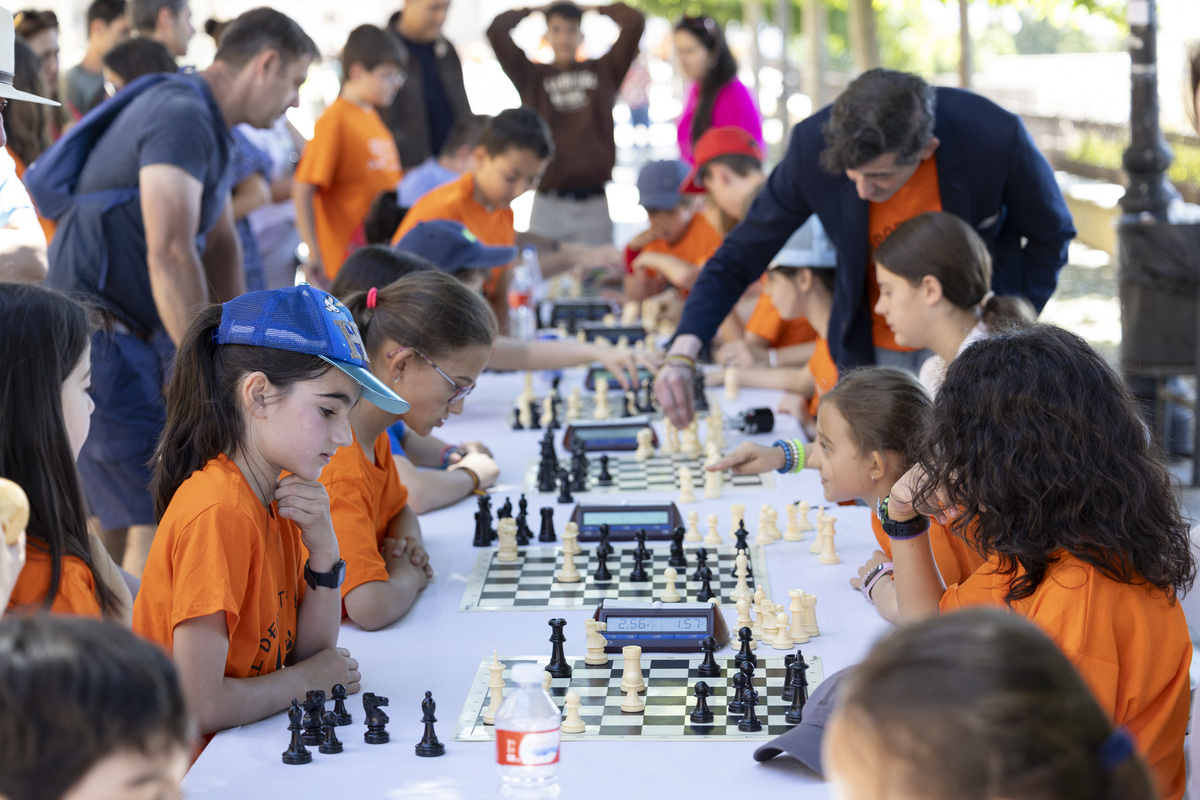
568 91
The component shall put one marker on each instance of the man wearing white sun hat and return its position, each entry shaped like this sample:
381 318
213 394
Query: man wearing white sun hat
22 242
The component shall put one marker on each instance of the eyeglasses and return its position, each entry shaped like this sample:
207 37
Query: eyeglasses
460 392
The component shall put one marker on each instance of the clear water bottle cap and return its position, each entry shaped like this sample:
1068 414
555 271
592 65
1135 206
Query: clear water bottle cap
527 673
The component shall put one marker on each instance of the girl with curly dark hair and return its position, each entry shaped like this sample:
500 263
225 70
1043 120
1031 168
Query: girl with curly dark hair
1037 449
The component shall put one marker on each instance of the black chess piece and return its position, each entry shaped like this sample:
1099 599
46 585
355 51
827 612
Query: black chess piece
564 486
516 420
642 550
524 534
339 705
314 709
579 476
376 719
429 746
736 705
626 406
546 534
702 714
329 744
677 559
638 575
746 637
749 723
535 415
706 592
788 662
548 465
481 533
709 668
602 575
605 478
604 544
296 753
559 667
701 562
740 535
747 669
647 406
698 391
799 685
485 503
505 511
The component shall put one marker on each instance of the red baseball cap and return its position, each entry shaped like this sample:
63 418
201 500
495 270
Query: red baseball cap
726 141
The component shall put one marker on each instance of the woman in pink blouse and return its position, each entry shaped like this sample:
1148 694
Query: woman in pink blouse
715 97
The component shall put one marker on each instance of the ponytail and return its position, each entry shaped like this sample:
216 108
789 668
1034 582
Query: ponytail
204 414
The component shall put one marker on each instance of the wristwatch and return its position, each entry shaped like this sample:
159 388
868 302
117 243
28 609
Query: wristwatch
328 580
901 530
877 573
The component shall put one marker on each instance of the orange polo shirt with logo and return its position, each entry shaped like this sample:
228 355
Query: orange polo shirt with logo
365 495
919 194
217 549
955 559
76 585
351 159
699 241
1129 641
766 323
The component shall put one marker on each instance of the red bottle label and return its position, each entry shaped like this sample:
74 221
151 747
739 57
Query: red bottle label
527 748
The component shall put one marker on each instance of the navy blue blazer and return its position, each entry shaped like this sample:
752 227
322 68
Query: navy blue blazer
989 173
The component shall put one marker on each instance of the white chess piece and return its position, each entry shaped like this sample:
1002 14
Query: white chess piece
632 704
691 440
631 675
569 572
547 680
731 383
743 588
506 534
770 624
712 484
645 445
601 410
805 523
744 620
783 639
595 642
762 535
630 312
608 320
570 537
528 390
525 411
712 453
828 552
793 533
693 527
547 410
687 493
572 722
810 615
713 538
622 342
738 511
819 544
581 337
670 594
574 404
796 607
670 437
496 685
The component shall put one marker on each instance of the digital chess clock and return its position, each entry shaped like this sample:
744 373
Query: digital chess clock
589 382
598 330
610 434
624 521
661 627
572 312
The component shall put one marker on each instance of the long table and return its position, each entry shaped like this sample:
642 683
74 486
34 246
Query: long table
438 648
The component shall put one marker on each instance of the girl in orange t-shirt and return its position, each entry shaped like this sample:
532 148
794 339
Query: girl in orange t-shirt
429 336
1037 447
263 386
45 413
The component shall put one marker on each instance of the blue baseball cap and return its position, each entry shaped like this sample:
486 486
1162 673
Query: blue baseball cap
304 319
658 185
451 246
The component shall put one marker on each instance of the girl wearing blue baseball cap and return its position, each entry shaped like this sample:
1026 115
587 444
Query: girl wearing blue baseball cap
263 387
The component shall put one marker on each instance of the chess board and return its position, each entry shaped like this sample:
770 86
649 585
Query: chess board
669 698
659 473
528 583
587 407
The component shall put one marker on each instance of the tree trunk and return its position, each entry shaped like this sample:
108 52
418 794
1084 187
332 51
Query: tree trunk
863 42
964 45
814 68
753 13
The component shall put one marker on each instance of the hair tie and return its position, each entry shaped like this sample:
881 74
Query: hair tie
1116 749
990 294
372 297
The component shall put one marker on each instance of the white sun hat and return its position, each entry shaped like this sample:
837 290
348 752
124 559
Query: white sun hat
8 37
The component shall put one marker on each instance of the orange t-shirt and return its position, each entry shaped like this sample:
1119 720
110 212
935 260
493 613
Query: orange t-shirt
364 496
699 241
1129 642
824 372
48 225
766 323
955 559
351 159
218 549
456 201
76 585
919 194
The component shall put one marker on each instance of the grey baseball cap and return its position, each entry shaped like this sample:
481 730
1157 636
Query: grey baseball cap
804 741
658 185
808 246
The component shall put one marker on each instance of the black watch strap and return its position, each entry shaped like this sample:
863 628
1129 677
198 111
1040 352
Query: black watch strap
327 580
901 530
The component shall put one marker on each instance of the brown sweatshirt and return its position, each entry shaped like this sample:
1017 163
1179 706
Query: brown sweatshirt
576 102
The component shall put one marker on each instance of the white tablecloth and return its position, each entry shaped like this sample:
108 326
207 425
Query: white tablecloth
438 648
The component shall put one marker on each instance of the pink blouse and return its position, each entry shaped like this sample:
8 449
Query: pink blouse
734 106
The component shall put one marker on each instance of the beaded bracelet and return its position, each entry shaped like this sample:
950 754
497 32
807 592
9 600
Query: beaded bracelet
677 358
799 445
789 455
447 451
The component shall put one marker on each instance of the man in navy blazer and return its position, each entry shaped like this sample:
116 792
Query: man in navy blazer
861 150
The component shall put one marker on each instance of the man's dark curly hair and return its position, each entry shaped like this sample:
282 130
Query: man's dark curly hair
881 111
1039 442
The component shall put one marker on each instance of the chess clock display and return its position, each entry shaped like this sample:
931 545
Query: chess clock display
598 330
661 627
600 372
658 520
617 434
572 312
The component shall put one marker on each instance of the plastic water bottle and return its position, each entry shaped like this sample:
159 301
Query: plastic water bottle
527 738
522 323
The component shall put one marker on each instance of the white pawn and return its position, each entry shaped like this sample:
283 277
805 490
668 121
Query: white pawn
645 445
496 684
570 537
770 624
760 601
632 704
574 403
819 544
829 554
525 411
713 538
744 620
572 722
693 527
731 383
776 535
805 523
601 410
687 493
569 572
595 642
670 437
631 676
608 320
581 337
763 534
783 639
796 607
622 342
506 533
670 594
793 533
743 588
547 680
810 615
712 484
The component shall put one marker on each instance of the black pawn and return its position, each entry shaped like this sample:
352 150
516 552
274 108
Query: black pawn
605 546
330 744
677 559
376 719
602 575
709 668
516 420
741 534
747 669
638 575
746 637
296 753
749 723
339 705
558 666
564 486
701 399
429 746
642 550
314 708
482 539
605 478
546 534
701 563
627 410
702 714
788 663
799 684
706 592
524 534
535 418
736 705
